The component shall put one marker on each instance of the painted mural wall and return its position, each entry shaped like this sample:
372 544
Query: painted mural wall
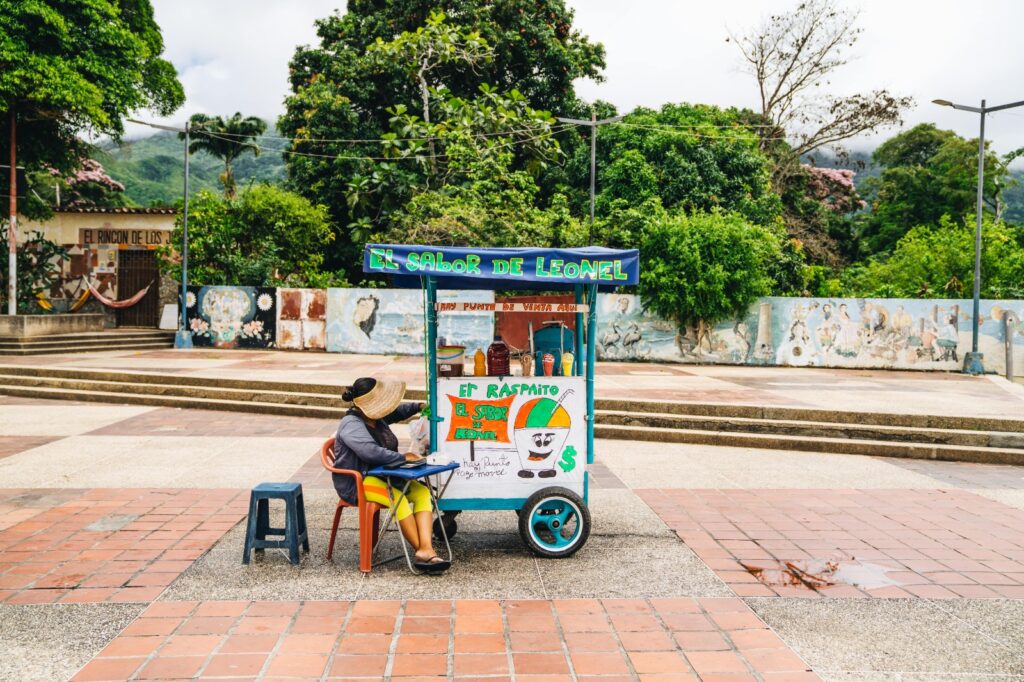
302 319
816 332
390 321
232 317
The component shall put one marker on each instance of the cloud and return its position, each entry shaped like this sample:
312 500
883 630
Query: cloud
232 55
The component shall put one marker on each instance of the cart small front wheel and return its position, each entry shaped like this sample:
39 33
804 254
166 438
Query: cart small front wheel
554 523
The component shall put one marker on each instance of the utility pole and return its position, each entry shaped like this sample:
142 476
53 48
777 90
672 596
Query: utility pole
974 361
12 227
593 123
183 339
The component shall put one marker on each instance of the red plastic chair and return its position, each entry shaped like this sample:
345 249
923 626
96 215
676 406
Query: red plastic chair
369 512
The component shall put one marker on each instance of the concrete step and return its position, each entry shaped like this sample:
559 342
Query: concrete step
129 389
848 446
112 345
86 344
170 401
123 332
609 405
812 429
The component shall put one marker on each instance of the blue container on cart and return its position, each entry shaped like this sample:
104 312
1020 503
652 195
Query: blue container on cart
555 339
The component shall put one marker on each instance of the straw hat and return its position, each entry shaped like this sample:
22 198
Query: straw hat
382 399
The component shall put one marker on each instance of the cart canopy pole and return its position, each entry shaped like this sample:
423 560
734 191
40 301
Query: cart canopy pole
431 315
591 359
578 290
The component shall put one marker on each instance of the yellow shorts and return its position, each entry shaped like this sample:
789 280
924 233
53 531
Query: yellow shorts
376 490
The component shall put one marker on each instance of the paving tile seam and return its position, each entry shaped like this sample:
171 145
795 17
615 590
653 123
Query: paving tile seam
937 605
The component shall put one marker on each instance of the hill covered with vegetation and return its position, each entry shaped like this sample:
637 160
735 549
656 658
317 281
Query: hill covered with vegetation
152 170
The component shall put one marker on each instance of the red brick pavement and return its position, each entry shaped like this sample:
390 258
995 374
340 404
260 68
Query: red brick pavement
607 640
12 445
929 543
108 545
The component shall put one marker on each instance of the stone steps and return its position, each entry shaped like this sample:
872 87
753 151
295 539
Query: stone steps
846 446
972 439
127 339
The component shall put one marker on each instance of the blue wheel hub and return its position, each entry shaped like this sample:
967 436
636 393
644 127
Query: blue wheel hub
555 524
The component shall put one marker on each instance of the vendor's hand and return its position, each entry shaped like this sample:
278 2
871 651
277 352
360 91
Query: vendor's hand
413 457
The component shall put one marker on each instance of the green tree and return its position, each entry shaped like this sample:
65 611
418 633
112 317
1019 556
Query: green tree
69 67
691 157
266 236
226 139
343 91
705 267
937 261
928 173
473 143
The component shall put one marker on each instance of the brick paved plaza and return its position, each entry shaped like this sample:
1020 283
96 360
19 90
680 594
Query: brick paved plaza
121 559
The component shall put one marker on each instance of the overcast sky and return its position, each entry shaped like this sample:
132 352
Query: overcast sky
232 55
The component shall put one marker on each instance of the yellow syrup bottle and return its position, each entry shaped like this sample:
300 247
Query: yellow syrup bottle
479 363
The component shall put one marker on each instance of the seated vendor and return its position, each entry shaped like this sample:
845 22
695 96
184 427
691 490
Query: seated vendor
365 441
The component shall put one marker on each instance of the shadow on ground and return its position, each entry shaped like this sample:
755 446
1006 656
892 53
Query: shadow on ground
631 553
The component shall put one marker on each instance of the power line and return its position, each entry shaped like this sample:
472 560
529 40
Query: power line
417 157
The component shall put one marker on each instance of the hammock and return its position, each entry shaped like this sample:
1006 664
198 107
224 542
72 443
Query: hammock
46 304
126 303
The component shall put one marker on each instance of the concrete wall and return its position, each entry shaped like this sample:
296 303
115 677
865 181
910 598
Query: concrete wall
46 325
816 332
800 332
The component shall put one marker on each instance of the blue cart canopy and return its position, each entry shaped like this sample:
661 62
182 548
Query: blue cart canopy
457 267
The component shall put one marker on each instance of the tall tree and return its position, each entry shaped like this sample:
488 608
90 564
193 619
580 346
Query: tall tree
73 67
68 67
927 173
341 91
792 56
690 156
226 139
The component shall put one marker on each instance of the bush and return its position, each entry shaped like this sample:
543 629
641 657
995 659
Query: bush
266 236
938 262
706 267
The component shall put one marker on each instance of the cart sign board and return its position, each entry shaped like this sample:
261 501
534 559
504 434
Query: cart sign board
512 436
462 268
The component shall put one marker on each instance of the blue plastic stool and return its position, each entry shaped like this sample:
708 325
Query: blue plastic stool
294 530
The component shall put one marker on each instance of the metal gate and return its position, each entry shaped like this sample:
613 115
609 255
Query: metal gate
136 268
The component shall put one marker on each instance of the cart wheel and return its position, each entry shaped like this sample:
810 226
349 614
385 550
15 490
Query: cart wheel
450 528
554 523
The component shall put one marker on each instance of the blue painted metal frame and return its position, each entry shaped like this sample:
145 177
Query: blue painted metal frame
586 293
431 313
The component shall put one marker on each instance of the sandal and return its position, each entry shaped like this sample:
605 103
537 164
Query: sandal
434 564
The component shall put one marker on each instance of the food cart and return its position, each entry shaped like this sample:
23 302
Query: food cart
523 443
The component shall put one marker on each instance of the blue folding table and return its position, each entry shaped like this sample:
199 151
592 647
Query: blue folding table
404 476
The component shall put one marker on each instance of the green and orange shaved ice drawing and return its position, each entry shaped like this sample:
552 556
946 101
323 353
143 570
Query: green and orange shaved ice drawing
541 429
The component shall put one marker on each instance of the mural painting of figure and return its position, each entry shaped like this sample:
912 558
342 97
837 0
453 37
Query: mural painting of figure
797 350
847 339
365 315
948 338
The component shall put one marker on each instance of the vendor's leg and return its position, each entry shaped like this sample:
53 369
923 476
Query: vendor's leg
419 496
376 490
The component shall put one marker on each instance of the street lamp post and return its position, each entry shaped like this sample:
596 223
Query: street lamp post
183 339
974 361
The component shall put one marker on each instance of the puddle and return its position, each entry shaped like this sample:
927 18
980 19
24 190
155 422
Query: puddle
112 522
817 574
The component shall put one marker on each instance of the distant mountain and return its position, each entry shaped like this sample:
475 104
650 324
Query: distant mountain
152 168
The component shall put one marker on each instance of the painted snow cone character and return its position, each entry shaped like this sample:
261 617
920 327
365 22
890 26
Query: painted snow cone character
541 429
